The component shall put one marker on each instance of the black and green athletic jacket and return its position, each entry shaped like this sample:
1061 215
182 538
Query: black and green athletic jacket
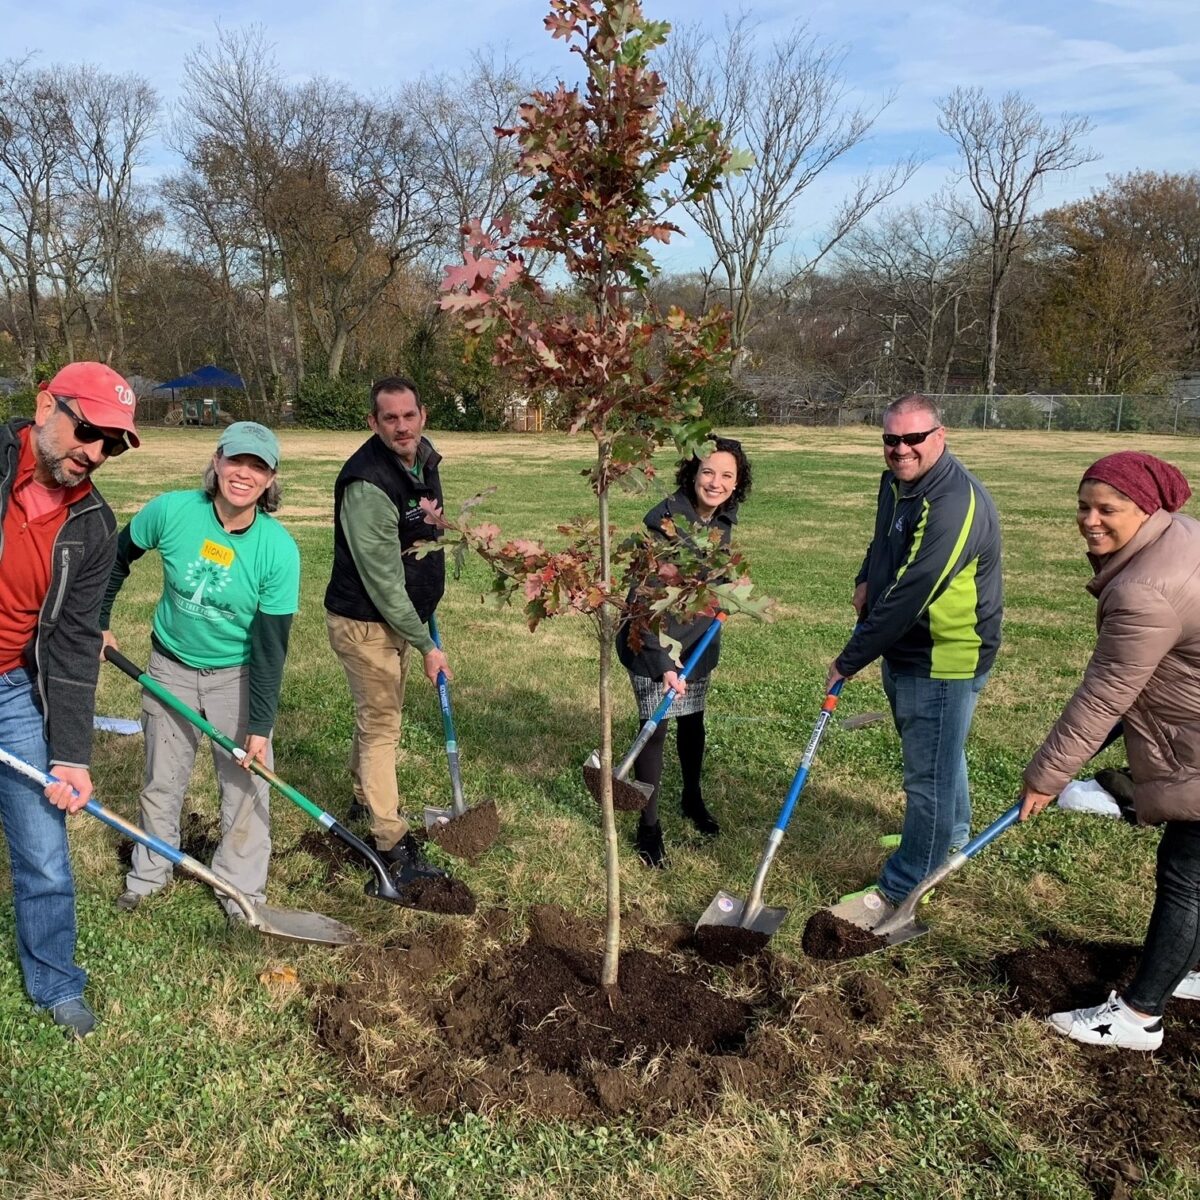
934 591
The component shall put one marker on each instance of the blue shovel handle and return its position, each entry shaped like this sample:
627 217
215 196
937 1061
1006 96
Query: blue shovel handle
169 852
647 730
451 738
992 832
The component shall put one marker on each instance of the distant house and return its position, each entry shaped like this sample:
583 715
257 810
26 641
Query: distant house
524 415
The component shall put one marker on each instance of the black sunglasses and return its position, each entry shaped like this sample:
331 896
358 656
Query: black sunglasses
87 433
909 439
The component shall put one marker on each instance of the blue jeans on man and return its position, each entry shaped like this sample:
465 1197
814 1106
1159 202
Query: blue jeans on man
36 833
933 718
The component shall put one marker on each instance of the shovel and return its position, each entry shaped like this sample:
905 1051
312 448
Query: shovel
442 816
380 887
727 910
894 923
288 923
631 795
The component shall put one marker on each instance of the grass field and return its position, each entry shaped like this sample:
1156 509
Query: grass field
206 1082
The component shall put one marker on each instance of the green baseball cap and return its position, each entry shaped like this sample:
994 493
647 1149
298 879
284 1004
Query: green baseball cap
249 437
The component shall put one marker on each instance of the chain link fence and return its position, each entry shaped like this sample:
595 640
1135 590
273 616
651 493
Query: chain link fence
1091 413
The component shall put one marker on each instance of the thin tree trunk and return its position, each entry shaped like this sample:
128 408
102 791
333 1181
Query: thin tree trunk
612 866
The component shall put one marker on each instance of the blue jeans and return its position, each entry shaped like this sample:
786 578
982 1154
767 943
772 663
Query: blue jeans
36 833
933 717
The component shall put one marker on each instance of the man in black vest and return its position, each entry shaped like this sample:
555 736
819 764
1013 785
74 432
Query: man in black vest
379 601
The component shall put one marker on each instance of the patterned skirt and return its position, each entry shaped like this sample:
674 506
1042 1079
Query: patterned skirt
649 693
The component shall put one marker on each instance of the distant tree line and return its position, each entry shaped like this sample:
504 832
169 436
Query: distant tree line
298 233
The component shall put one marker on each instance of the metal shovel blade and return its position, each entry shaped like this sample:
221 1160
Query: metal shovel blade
438 816
866 912
861 720
293 925
729 911
880 917
629 795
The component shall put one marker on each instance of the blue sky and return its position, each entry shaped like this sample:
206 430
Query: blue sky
1132 66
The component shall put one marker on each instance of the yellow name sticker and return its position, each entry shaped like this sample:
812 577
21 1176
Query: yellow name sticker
223 556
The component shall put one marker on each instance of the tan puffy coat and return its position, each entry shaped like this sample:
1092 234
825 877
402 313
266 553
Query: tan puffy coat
1145 670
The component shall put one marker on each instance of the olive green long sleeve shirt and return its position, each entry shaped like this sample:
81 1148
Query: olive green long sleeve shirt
371 524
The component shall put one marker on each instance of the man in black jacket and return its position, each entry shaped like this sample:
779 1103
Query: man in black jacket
56 550
929 602
379 601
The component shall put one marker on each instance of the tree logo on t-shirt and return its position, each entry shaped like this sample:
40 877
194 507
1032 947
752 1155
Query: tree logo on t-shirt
204 575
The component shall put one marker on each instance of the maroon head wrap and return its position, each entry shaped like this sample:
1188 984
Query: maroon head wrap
1148 481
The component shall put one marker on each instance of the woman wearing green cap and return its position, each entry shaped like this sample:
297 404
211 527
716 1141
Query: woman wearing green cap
231 584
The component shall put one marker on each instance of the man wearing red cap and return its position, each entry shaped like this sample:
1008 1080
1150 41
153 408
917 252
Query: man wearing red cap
57 544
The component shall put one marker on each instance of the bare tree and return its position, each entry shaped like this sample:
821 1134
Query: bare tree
785 106
1008 149
112 118
34 144
914 272
458 116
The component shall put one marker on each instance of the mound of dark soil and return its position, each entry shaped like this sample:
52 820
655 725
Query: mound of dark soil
471 834
528 1026
829 937
724 945
626 798
450 897
1136 1106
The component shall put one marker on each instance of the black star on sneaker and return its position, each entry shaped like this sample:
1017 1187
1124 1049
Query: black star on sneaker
1102 1030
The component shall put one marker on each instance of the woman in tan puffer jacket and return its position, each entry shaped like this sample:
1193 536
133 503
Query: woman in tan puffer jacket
1145 671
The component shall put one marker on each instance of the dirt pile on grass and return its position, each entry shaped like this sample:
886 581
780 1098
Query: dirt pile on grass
830 938
723 945
1136 1107
470 835
526 1025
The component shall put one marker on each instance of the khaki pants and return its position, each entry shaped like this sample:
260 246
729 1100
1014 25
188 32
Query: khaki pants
223 696
375 660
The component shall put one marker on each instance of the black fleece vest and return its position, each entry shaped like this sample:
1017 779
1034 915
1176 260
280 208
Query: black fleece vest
425 577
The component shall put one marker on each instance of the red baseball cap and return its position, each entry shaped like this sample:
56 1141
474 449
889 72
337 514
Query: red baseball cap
104 397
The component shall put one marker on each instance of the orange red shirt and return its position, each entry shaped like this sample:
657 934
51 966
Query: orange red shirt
32 520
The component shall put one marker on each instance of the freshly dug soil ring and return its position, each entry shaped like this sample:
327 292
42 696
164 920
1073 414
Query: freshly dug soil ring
867 999
728 945
450 897
831 938
471 834
626 798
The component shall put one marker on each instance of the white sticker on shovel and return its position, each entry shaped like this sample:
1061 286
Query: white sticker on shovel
725 904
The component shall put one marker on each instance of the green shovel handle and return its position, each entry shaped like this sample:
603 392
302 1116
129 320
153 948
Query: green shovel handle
202 723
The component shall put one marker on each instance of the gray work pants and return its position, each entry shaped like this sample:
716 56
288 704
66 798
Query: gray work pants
222 695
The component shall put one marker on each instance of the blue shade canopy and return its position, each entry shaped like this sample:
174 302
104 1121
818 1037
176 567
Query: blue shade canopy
204 377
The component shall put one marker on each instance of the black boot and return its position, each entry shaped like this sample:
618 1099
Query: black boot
694 809
649 843
357 812
407 863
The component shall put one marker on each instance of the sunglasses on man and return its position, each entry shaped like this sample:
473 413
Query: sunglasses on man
88 433
909 439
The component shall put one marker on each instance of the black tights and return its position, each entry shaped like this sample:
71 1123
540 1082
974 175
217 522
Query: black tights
1173 940
689 741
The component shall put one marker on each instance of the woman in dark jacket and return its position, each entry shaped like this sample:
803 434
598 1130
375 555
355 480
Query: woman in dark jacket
1145 671
709 492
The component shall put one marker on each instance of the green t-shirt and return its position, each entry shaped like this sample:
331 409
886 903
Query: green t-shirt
213 581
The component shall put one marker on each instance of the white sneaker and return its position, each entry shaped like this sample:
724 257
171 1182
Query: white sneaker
1112 1023
1189 989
